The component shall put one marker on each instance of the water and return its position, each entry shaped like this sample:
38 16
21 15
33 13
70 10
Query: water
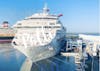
13 60
10 59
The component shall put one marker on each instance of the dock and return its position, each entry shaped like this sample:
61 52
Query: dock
26 66
78 58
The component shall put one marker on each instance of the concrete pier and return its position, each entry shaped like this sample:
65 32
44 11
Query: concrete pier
78 57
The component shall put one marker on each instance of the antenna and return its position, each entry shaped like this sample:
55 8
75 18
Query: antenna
45 9
45 6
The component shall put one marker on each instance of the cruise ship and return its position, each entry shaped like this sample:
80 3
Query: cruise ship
6 33
40 36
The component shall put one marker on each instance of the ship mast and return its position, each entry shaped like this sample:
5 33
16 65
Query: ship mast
45 9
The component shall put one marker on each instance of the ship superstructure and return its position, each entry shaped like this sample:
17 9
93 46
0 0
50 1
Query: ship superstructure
40 36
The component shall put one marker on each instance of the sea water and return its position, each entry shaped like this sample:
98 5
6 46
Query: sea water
13 60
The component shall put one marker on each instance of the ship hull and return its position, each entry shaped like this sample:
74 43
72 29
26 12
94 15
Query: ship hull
42 52
6 39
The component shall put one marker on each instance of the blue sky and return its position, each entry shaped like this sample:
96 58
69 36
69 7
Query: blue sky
78 15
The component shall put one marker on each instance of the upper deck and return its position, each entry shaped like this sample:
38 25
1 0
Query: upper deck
39 19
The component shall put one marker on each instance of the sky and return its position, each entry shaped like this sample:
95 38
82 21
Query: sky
78 15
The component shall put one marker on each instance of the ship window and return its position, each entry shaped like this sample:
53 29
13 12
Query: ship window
51 23
31 27
56 26
19 24
59 22
37 22
46 26
51 26
43 18
46 33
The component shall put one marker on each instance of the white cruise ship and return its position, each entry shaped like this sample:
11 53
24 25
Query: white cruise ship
40 36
